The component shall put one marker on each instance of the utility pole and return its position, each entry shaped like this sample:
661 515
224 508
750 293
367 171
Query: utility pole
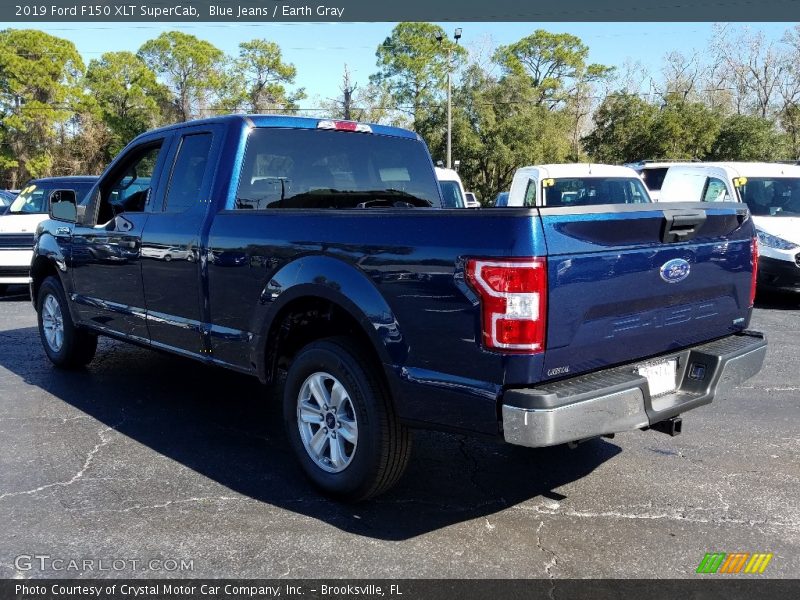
440 38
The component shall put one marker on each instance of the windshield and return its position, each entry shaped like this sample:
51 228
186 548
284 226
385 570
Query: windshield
774 197
585 191
33 199
451 194
313 168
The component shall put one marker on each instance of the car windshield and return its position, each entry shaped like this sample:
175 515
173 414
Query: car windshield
451 194
585 191
31 200
772 196
297 168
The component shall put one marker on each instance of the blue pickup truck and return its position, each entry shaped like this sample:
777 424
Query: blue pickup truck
316 256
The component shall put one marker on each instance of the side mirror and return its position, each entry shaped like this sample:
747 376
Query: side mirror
63 206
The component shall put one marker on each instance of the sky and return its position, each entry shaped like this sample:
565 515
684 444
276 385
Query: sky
320 50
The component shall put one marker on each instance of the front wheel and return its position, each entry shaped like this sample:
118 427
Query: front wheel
341 422
66 345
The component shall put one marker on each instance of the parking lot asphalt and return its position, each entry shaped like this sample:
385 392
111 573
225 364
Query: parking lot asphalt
146 456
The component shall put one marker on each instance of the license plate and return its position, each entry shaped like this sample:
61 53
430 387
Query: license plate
660 376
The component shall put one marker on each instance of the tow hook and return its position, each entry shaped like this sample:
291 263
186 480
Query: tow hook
672 426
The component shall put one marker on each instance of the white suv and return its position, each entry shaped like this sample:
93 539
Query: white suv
19 223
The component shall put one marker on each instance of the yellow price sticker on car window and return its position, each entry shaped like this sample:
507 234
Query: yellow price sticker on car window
740 181
548 182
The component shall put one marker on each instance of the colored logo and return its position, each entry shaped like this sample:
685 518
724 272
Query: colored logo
737 562
675 270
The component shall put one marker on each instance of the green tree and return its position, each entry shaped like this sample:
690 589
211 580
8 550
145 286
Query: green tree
554 64
129 97
623 125
39 76
749 138
192 69
497 128
259 78
413 65
684 129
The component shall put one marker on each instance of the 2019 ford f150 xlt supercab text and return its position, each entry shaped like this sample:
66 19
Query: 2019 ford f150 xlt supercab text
315 254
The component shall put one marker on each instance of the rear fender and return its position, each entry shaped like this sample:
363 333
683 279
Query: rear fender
340 283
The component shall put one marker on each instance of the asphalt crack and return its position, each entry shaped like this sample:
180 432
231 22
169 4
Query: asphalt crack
550 564
90 456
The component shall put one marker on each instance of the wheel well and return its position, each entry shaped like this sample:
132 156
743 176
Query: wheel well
41 269
306 320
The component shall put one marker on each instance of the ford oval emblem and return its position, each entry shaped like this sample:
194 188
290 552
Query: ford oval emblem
675 270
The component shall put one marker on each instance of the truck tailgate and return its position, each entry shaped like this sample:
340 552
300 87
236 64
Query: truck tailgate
631 281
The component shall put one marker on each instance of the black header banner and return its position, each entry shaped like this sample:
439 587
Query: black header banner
408 10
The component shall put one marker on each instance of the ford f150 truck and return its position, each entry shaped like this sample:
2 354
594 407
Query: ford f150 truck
315 255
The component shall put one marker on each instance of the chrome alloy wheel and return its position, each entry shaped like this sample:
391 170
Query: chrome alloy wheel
327 422
53 323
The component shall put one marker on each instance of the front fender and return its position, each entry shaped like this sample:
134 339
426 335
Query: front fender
341 283
50 253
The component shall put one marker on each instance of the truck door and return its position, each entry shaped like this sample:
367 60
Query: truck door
106 247
171 244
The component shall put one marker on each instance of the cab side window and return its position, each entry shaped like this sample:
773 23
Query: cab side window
186 182
716 191
530 193
129 190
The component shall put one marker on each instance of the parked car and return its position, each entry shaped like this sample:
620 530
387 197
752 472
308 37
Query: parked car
653 172
453 195
335 273
18 224
6 198
771 192
576 185
471 200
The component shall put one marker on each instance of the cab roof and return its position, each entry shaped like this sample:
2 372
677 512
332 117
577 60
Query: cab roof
282 121
744 169
578 170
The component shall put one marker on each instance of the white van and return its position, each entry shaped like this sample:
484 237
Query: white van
653 172
576 184
453 195
771 192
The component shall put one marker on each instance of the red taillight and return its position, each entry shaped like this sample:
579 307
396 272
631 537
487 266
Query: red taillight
344 126
754 273
513 296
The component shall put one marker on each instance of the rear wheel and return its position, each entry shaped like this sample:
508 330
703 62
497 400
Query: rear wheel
66 345
341 422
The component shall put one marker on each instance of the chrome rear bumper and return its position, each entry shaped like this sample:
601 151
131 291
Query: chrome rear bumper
618 399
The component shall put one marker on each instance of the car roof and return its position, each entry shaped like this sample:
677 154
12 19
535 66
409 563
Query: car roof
66 179
283 121
744 169
578 170
443 174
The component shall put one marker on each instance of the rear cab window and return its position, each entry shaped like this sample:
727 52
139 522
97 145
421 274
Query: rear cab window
318 169
588 191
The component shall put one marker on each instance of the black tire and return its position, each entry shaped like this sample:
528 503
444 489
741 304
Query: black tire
78 346
383 443
3 289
